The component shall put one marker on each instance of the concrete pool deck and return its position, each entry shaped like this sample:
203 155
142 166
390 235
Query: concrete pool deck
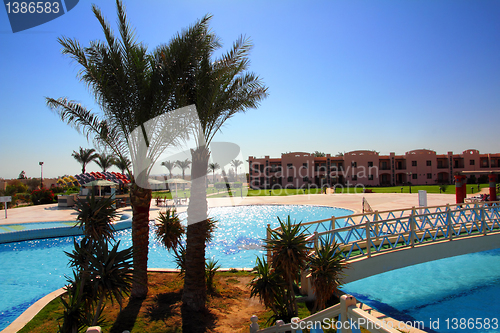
378 201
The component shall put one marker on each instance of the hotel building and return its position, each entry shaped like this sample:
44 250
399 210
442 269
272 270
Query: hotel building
369 168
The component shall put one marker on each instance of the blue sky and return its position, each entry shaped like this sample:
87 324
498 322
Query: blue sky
390 76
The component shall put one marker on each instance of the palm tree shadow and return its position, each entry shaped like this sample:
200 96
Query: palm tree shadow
198 322
127 317
164 306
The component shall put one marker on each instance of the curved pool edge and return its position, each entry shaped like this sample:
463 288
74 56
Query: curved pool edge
24 235
38 306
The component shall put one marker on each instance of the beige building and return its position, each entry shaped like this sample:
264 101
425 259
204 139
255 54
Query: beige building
368 168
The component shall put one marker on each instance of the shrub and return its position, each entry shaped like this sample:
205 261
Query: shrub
42 196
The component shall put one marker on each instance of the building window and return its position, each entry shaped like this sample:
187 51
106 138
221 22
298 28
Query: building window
429 163
413 163
354 164
289 165
304 165
370 177
414 176
290 179
305 179
429 176
370 164
354 177
471 162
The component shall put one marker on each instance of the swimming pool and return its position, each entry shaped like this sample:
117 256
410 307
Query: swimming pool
32 269
444 294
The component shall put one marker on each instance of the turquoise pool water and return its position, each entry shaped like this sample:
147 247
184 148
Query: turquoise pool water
457 294
32 269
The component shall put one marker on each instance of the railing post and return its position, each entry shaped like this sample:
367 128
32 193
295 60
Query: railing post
254 326
268 238
375 219
412 227
345 302
332 224
483 219
449 222
368 240
316 239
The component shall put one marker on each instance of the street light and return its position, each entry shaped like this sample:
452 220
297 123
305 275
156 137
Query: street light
41 174
409 177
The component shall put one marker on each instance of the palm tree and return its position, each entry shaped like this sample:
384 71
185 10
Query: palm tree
289 251
170 229
133 87
236 164
170 166
212 167
85 156
220 88
183 165
105 161
267 284
123 163
325 265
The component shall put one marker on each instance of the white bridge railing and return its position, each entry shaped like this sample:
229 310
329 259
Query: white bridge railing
345 317
363 235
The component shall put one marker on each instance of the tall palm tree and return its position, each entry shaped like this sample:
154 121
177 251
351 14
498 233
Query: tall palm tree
235 164
183 165
220 88
132 87
85 156
170 166
212 167
105 161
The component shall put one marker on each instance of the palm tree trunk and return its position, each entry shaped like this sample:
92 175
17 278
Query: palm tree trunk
195 293
140 198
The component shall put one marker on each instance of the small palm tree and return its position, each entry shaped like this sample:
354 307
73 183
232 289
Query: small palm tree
289 251
236 164
266 285
212 167
183 165
105 161
85 156
95 217
170 166
170 229
326 266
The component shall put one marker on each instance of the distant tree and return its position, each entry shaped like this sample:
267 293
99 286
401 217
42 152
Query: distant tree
170 165
85 156
212 167
22 175
105 161
339 154
236 164
319 154
123 163
183 165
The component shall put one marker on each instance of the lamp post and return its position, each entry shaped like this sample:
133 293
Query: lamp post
409 177
41 174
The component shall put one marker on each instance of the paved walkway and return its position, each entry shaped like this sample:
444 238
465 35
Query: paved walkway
378 201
